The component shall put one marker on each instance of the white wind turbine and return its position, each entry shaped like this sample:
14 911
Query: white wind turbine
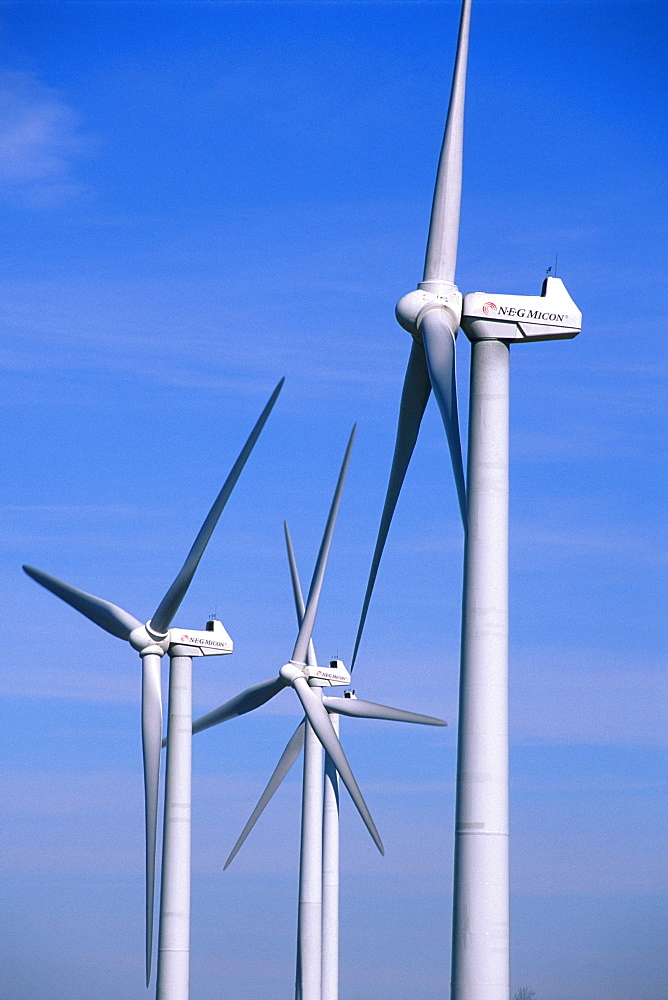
307 678
152 641
320 818
432 315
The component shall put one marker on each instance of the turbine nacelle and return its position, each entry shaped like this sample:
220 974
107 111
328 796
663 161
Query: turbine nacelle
334 675
212 641
552 315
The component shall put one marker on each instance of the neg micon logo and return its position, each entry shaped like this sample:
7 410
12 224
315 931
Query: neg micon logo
489 308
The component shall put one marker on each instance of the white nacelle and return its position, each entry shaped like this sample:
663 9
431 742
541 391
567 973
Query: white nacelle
335 675
213 642
552 315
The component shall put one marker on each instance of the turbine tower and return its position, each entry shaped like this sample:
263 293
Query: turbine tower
432 315
152 641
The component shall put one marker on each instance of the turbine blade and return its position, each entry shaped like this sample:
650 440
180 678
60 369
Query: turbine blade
370 710
441 256
316 713
308 621
108 616
298 971
438 338
151 732
170 603
297 593
253 697
414 397
288 757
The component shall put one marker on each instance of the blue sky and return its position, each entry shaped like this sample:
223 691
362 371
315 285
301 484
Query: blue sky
197 199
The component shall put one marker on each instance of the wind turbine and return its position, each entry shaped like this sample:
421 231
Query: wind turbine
152 641
325 891
307 678
432 315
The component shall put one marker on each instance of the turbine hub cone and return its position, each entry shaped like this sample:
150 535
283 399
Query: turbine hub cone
146 641
291 671
412 308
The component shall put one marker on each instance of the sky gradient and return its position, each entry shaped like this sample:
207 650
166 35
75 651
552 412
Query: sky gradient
197 199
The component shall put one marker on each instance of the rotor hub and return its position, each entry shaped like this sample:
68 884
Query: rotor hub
291 671
145 641
412 308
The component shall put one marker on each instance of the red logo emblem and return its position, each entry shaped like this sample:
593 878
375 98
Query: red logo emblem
489 308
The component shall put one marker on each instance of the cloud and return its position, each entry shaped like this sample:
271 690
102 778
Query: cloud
39 141
587 696
613 541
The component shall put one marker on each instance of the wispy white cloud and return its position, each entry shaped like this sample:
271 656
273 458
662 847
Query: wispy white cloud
587 696
75 509
40 139
70 684
612 541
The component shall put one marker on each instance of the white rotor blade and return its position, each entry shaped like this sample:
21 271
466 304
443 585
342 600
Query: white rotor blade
248 700
441 256
308 621
298 970
170 603
316 714
151 731
414 397
297 594
288 757
370 710
438 338
108 616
